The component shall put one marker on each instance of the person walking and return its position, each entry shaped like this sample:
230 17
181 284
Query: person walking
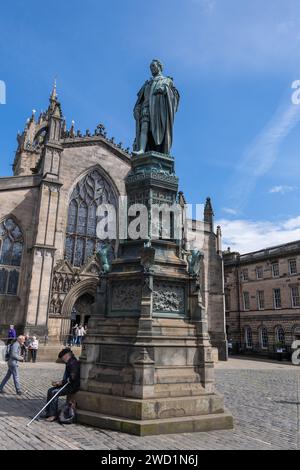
71 375
13 364
230 346
25 348
33 348
11 335
81 333
75 334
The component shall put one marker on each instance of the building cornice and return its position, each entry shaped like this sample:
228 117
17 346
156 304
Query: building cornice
9 183
275 252
87 141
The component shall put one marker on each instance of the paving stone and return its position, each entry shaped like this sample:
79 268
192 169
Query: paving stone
262 397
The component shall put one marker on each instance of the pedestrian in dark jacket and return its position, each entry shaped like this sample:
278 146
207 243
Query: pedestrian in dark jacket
13 364
71 375
11 335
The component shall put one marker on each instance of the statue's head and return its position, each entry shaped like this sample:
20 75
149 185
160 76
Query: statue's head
156 67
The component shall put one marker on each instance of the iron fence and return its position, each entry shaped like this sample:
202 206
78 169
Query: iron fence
272 351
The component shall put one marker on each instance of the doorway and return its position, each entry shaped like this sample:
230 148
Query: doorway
81 311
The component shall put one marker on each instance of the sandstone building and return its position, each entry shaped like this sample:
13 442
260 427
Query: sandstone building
49 263
262 298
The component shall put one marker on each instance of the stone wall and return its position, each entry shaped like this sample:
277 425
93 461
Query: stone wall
18 199
213 280
287 317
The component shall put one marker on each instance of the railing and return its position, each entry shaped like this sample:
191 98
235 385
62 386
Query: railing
42 339
271 352
70 340
66 340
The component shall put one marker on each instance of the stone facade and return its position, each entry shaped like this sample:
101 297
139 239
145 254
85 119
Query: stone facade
262 298
60 177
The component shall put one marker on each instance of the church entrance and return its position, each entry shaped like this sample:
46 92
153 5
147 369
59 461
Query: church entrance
81 310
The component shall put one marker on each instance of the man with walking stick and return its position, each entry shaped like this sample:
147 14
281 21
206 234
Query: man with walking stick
68 385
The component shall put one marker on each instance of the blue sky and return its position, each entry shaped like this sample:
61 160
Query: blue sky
237 133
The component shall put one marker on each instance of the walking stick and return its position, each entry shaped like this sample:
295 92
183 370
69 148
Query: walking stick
28 424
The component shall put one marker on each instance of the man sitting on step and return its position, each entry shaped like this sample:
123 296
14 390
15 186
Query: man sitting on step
71 375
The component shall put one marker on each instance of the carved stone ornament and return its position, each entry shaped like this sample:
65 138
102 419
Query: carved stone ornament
126 296
168 298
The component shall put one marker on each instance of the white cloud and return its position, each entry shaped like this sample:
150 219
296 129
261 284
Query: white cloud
245 236
230 210
207 5
291 224
238 38
281 189
260 156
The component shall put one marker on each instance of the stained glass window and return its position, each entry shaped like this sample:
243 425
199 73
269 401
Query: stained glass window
13 282
3 280
11 248
81 237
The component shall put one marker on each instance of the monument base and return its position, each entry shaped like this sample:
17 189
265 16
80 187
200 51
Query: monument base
146 363
153 416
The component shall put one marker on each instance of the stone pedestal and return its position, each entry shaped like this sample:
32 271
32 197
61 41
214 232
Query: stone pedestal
146 364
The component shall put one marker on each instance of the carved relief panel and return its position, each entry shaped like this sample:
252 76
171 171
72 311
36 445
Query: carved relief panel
168 298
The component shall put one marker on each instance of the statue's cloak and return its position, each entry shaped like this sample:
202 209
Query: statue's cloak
163 107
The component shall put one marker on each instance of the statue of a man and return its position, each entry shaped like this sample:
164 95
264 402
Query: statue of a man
154 112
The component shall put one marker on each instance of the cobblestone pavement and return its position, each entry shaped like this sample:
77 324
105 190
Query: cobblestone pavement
262 397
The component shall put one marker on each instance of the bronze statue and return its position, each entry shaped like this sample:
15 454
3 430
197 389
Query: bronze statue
103 254
194 259
154 112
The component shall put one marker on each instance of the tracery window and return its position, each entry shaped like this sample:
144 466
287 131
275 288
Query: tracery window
11 248
81 237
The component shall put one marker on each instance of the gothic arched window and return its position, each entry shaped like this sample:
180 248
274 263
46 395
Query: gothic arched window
81 237
11 248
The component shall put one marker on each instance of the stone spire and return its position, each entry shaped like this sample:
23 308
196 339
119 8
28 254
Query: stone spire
37 133
53 96
209 214
54 116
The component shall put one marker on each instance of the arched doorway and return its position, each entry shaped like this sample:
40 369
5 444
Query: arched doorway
81 310
77 305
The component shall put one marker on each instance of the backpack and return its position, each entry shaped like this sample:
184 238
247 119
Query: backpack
7 353
67 414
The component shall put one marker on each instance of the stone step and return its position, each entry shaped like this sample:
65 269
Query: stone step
150 408
201 423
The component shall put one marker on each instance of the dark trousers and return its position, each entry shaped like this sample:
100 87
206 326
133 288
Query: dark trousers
26 355
52 408
33 353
